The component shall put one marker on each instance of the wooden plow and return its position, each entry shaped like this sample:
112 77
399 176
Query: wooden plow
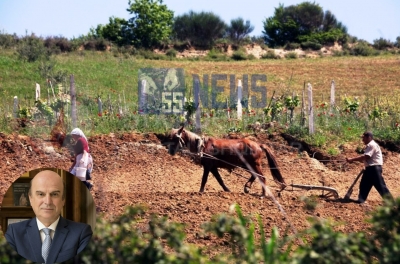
327 192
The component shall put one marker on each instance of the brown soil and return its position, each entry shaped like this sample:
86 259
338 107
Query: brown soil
135 169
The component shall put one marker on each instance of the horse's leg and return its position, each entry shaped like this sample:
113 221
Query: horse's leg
261 177
204 179
248 184
257 169
216 174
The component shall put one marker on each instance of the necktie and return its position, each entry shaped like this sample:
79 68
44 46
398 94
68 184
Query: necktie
46 243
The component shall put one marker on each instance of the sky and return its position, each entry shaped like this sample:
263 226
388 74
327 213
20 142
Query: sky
365 19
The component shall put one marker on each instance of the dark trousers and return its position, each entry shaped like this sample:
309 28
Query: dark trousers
372 176
88 185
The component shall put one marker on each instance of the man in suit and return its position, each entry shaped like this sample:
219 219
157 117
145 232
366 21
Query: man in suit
48 238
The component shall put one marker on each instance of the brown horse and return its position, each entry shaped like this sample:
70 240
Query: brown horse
224 153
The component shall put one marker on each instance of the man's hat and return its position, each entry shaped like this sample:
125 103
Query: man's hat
368 134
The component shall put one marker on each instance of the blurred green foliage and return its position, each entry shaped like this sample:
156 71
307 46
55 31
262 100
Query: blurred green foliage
134 237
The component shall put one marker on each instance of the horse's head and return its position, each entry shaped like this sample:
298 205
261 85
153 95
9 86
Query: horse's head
173 140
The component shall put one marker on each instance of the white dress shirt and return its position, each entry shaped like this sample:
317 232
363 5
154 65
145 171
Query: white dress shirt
53 227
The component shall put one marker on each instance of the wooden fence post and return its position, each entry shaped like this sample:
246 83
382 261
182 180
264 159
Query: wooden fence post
332 95
48 95
125 108
310 110
302 114
15 107
100 106
73 101
142 97
110 109
52 90
197 104
120 105
228 109
37 92
239 102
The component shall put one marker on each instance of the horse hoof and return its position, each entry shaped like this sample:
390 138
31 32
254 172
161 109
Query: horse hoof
246 190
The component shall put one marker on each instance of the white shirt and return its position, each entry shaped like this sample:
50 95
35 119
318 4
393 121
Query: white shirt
373 151
53 227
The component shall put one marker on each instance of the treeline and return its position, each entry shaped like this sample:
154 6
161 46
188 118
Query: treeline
153 25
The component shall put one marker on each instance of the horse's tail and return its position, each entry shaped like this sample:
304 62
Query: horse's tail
273 165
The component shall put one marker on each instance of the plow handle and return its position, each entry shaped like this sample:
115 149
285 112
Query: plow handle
350 191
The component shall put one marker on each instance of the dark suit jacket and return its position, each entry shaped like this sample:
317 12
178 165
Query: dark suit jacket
70 238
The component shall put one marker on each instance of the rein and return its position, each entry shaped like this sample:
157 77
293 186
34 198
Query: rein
200 153
182 142
235 166
251 172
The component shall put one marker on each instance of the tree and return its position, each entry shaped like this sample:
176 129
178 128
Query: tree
397 42
280 29
116 31
31 49
151 23
199 29
238 30
305 22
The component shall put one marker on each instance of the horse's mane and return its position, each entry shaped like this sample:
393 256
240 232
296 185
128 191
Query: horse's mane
191 136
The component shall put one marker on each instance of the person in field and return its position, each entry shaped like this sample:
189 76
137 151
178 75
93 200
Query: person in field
82 156
372 175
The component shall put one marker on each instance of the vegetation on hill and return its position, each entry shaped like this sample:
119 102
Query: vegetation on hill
153 26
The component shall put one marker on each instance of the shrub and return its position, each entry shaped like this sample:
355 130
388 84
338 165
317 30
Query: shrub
328 246
31 49
311 45
148 54
339 53
270 55
102 44
363 49
122 240
386 230
99 44
382 44
216 55
397 42
251 57
8 41
291 55
57 44
240 231
135 237
171 53
89 45
239 55
292 46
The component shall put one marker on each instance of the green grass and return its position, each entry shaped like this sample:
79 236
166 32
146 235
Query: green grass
114 77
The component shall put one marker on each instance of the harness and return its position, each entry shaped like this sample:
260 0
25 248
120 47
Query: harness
200 144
